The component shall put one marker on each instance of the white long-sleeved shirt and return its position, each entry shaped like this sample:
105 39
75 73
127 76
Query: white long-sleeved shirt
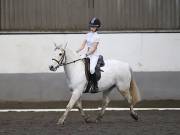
91 38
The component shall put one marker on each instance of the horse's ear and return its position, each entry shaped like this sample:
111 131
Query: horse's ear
57 46
65 45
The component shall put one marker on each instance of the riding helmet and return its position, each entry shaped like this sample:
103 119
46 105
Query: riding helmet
95 22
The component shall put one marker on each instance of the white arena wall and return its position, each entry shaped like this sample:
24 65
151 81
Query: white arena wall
24 73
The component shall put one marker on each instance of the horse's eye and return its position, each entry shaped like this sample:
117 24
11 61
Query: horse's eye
60 54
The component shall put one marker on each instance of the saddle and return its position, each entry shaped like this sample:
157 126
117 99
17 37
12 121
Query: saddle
93 79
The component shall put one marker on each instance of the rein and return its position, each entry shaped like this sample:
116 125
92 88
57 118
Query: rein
64 64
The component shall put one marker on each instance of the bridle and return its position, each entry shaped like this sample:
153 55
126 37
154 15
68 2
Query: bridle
60 62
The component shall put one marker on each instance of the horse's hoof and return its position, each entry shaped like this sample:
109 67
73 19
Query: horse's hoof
60 123
98 119
134 116
88 120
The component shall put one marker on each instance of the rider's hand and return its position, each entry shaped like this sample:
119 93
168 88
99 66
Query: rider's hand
83 56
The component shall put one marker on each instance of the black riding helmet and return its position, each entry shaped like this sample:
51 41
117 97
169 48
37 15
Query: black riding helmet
95 22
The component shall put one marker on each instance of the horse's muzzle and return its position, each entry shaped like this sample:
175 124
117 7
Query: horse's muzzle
52 68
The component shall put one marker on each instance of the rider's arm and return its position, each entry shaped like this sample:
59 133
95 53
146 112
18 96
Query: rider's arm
93 49
82 46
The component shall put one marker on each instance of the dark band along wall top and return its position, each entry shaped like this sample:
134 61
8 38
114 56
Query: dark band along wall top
73 15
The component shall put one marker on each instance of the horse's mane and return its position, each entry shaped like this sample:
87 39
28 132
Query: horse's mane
72 54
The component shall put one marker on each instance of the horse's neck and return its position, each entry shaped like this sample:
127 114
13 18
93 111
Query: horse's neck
72 69
71 55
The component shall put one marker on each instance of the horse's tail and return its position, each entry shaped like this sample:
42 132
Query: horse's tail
134 91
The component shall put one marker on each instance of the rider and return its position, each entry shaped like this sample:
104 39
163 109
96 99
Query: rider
91 41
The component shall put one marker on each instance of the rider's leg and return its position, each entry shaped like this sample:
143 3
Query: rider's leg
93 63
95 82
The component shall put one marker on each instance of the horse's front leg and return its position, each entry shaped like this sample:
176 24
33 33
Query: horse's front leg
74 98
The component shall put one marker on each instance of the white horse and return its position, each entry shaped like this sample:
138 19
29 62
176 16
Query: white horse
116 74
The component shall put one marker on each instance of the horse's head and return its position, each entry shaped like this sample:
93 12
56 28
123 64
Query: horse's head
58 58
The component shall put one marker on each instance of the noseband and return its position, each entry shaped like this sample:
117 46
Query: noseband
61 60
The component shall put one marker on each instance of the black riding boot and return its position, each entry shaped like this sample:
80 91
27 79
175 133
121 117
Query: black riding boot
95 83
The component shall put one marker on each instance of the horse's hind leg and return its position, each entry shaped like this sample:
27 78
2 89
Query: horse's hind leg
83 114
105 103
126 94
